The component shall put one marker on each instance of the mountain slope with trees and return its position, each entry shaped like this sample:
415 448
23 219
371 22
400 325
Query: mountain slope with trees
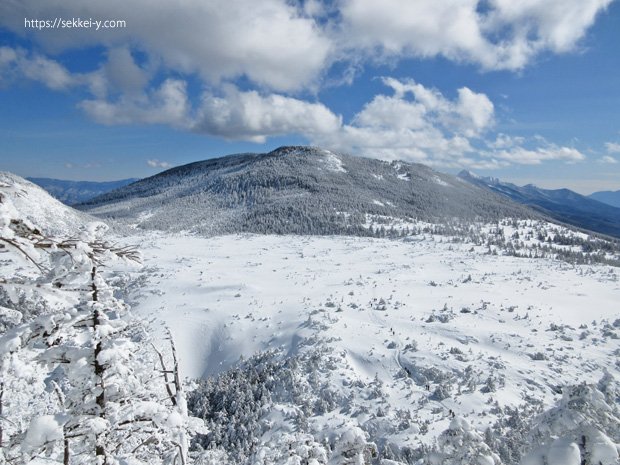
297 190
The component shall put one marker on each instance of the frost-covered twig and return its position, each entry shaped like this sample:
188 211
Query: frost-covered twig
171 396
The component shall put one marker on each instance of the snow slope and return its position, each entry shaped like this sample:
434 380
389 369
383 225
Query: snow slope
37 206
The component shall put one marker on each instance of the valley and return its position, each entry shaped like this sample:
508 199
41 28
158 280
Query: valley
429 326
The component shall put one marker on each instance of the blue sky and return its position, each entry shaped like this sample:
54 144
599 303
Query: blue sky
527 91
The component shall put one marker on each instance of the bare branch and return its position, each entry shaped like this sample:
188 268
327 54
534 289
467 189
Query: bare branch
23 252
165 372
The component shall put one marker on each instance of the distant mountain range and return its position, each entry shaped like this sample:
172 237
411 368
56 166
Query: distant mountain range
297 190
609 197
74 192
561 204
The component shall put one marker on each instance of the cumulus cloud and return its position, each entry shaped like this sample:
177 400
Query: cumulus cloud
470 114
167 104
251 116
285 46
415 123
424 28
412 122
232 114
554 25
271 42
17 63
612 147
607 159
499 34
504 141
155 163
122 73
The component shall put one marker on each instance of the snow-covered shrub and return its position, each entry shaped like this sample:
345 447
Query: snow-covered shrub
352 448
265 391
581 429
461 444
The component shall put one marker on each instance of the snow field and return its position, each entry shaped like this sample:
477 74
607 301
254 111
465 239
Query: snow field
438 327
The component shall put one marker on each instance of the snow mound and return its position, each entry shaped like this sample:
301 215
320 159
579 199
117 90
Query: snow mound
39 208
576 430
43 430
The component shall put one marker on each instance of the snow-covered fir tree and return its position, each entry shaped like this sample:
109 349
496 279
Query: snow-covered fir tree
85 384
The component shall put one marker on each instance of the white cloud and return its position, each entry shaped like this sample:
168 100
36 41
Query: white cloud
470 114
607 159
498 34
416 124
475 111
167 104
423 28
234 114
18 64
122 73
252 116
612 147
86 166
286 46
554 25
413 123
155 163
524 156
271 41
428 145
505 141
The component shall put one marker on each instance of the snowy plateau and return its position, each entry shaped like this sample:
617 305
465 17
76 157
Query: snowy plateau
432 345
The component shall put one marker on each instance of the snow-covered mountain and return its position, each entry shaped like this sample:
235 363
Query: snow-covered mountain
299 190
490 341
74 192
561 204
40 208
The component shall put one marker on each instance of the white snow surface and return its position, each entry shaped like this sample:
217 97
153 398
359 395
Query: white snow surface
42 430
40 208
333 162
527 325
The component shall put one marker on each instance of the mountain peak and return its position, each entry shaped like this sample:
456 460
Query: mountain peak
477 179
296 150
465 174
296 190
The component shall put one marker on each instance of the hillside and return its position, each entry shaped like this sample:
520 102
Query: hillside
40 208
298 190
561 204
73 192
